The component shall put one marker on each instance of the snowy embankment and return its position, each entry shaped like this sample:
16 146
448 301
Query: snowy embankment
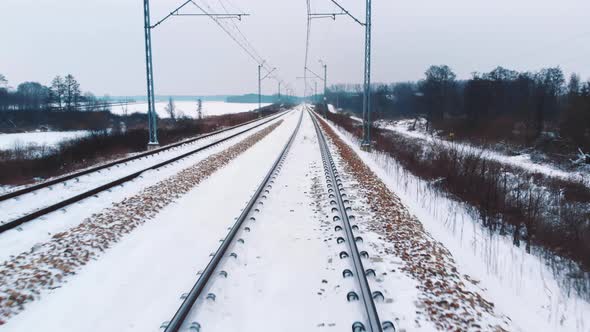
521 161
188 108
521 285
49 139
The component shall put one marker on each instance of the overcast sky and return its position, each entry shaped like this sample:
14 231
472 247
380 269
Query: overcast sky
101 42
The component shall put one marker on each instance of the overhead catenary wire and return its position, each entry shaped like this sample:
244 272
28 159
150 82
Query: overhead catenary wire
239 37
307 38
231 29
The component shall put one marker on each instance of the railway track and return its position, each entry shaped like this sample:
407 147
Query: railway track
370 321
88 192
340 208
179 319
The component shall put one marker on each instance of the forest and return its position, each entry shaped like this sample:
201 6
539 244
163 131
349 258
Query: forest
523 108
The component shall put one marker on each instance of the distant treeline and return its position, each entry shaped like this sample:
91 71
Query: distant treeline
501 104
253 98
64 94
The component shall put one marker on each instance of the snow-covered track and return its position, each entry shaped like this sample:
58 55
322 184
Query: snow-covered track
185 308
36 213
338 207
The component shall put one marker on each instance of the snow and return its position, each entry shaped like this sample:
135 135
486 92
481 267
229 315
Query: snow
289 257
48 138
24 237
287 275
189 108
522 161
331 108
521 285
137 283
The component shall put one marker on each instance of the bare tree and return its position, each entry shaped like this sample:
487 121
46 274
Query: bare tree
199 109
58 90
3 81
574 85
72 92
171 109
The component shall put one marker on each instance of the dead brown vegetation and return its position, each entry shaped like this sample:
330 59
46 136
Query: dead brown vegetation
550 216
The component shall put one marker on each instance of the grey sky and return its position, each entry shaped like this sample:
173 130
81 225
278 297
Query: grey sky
101 42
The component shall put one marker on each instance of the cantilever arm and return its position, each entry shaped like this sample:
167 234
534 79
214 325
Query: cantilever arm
347 13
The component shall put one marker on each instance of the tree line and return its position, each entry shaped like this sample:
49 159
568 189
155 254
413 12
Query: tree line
63 94
526 104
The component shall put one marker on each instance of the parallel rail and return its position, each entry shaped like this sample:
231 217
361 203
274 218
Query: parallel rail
180 316
334 184
51 208
51 182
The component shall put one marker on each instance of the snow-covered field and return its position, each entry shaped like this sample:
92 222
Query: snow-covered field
48 139
53 138
189 108
522 161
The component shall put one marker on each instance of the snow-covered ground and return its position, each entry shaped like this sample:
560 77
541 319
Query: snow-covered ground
522 161
189 108
48 138
521 285
287 275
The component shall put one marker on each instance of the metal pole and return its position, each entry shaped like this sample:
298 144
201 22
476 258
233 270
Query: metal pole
325 78
316 92
279 91
152 119
367 83
259 88
325 88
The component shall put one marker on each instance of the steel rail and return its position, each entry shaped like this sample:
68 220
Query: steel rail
186 306
38 213
374 325
60 179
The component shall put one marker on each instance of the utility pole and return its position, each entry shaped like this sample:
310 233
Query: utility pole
152 118
259 88
316 92
260 79
325 99
325 79
366 144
